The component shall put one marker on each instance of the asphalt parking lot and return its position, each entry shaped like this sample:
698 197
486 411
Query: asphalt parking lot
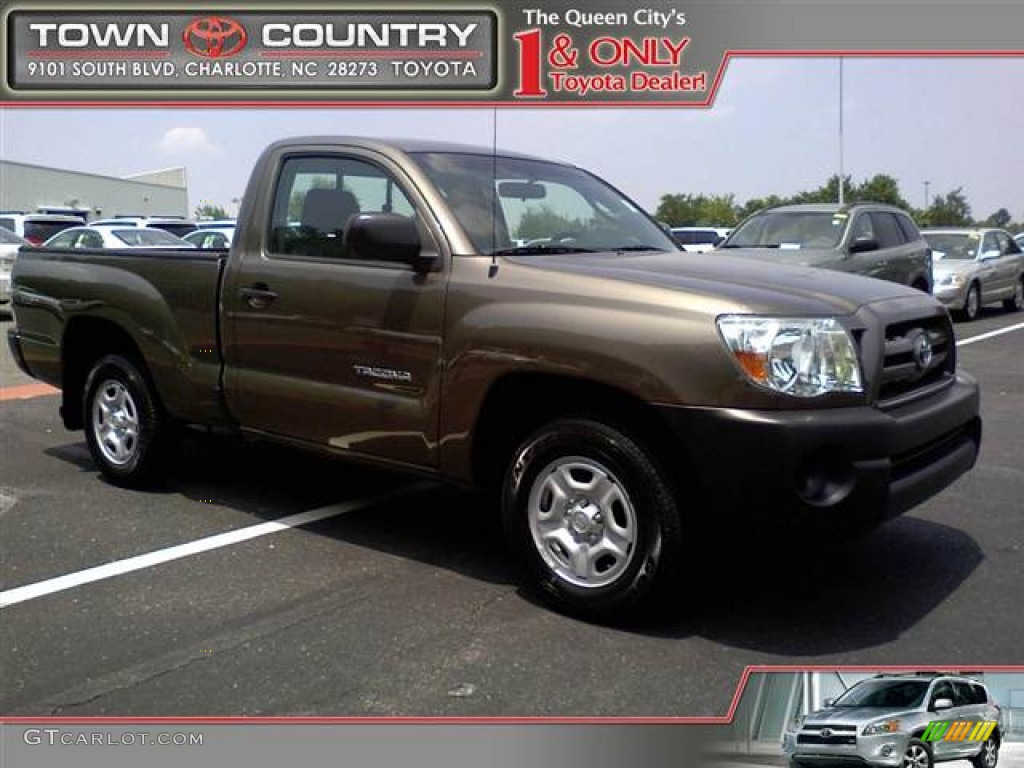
394 598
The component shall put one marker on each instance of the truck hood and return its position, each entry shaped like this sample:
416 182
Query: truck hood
853 715
799 257
745 284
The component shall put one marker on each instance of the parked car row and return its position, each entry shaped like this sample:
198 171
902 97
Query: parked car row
965 268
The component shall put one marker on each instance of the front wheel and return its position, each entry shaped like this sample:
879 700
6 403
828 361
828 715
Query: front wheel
592 516
988 757
124 426
1015 302
972 304
918 755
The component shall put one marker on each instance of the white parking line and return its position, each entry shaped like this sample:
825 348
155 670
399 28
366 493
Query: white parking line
990 334
148 560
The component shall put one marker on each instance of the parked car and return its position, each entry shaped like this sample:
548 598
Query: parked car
863 238
211 237
37 228
176 225
606 391
699 239
105 236
9 245
975 267
884 722
1019 238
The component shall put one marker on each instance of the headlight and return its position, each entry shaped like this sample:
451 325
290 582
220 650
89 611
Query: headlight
882 726
797 722
803 357
954 278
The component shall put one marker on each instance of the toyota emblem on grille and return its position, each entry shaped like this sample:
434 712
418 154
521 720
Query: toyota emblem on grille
826 733
923 352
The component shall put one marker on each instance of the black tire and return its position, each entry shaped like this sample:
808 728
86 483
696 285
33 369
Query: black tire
988 757
917 755
1016 302
625 537
972 303
125 427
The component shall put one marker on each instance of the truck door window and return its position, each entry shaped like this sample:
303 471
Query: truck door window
317 195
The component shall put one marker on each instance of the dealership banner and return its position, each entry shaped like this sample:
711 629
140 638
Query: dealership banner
516 52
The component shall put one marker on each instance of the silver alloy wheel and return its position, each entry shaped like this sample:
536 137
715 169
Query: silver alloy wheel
115 422
989 754
582 521
916 756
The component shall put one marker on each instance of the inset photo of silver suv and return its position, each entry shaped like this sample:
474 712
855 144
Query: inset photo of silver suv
912 718
892 721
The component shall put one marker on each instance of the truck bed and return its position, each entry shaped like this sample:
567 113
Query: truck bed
170 296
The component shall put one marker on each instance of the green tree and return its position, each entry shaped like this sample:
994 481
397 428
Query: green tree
544 222
210 211
949 210
681 210
881 188
756 204
1001 219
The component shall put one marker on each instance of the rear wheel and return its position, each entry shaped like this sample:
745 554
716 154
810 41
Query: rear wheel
988 757
1015 302
124 426
592 516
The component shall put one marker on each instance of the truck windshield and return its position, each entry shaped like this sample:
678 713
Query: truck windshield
789 229
515 205
884 693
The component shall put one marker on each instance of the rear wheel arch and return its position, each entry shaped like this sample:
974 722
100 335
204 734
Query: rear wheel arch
85 341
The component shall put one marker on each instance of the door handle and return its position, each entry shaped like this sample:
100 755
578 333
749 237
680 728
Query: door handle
258 296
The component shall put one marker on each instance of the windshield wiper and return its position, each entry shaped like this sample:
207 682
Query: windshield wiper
636 248
760 245
533 250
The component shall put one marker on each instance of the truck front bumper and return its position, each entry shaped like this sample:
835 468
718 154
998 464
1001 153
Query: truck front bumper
858 464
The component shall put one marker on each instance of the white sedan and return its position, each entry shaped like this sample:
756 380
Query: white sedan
113 236
9 245
211 237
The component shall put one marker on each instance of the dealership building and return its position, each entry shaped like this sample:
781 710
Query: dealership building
36 188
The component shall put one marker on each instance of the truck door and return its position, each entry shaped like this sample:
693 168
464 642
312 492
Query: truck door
322 347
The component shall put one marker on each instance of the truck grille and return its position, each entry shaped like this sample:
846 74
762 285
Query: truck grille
918 356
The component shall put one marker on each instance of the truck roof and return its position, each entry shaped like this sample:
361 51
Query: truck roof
387 145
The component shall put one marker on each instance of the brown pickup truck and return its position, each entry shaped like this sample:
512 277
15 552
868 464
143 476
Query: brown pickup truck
507 322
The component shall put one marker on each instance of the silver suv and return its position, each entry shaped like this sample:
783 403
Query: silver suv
884 721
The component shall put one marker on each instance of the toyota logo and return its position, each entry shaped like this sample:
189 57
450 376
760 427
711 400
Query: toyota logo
214 37
923 352
826 733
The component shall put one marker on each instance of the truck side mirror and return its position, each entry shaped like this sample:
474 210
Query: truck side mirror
942 704
386 237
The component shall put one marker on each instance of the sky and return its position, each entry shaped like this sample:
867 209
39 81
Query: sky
774 128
